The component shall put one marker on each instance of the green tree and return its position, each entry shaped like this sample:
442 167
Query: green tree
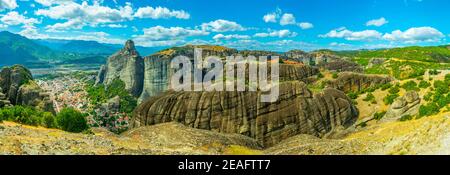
71 120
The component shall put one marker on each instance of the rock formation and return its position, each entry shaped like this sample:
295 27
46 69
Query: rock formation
297 111
126 65
18 88
353 82
313 58
408 104
341 65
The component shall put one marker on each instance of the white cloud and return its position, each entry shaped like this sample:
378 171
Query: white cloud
160 12
353 36
8 4
377 22
305 25
52 2
71 24
173 33
115 26
13 18
221 25
277 33
228 37
272 17
3 26
87 14
415 34
32 33
287 19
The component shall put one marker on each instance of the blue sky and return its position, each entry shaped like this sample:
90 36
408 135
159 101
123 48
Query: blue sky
277 25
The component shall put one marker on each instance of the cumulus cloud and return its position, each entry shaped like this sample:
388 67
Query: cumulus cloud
80 15
277 33
353 36
305 25
160 12
415 34
173 33
221 25
8 4
287 19
32 33
272 17
228 37
52 2
377 22
14 18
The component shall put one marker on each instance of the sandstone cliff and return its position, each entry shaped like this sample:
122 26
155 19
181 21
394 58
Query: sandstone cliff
126 65
18 88
353 82
297 111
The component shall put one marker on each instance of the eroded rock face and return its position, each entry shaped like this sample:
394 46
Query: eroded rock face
297 111
126 65
18 88
353 82
341 65
408 104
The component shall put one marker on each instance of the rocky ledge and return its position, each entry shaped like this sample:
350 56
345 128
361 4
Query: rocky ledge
297 111
354 82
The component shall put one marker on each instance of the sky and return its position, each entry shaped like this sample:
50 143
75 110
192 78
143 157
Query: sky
277 25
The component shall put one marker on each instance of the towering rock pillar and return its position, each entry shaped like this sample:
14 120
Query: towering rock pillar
126 65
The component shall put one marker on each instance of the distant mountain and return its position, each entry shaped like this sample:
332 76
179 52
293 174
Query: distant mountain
87 47
16 49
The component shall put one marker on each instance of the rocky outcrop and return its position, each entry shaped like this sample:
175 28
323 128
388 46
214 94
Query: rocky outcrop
341 65
408 104
297 111
375 61
19 88
4 102
126 65
354 82
312 58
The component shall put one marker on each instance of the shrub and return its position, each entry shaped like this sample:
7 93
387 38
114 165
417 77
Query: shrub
433 72
48 120
406 118
23 114
410 86
389 99
100 94
386 86
369 97
428 96
71 120
335 75
320 75
352 95
429 109
379 115
394 89
424 84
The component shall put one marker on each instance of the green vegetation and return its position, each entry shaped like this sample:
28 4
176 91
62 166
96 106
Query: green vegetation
434 72
437 99
320 75
406 118
379 115
393 94
370 97
424 84
335 75
410 86
27 115
99 94
434 54
71 120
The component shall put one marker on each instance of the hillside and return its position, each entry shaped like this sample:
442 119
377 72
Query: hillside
18 49
87 47
436 54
